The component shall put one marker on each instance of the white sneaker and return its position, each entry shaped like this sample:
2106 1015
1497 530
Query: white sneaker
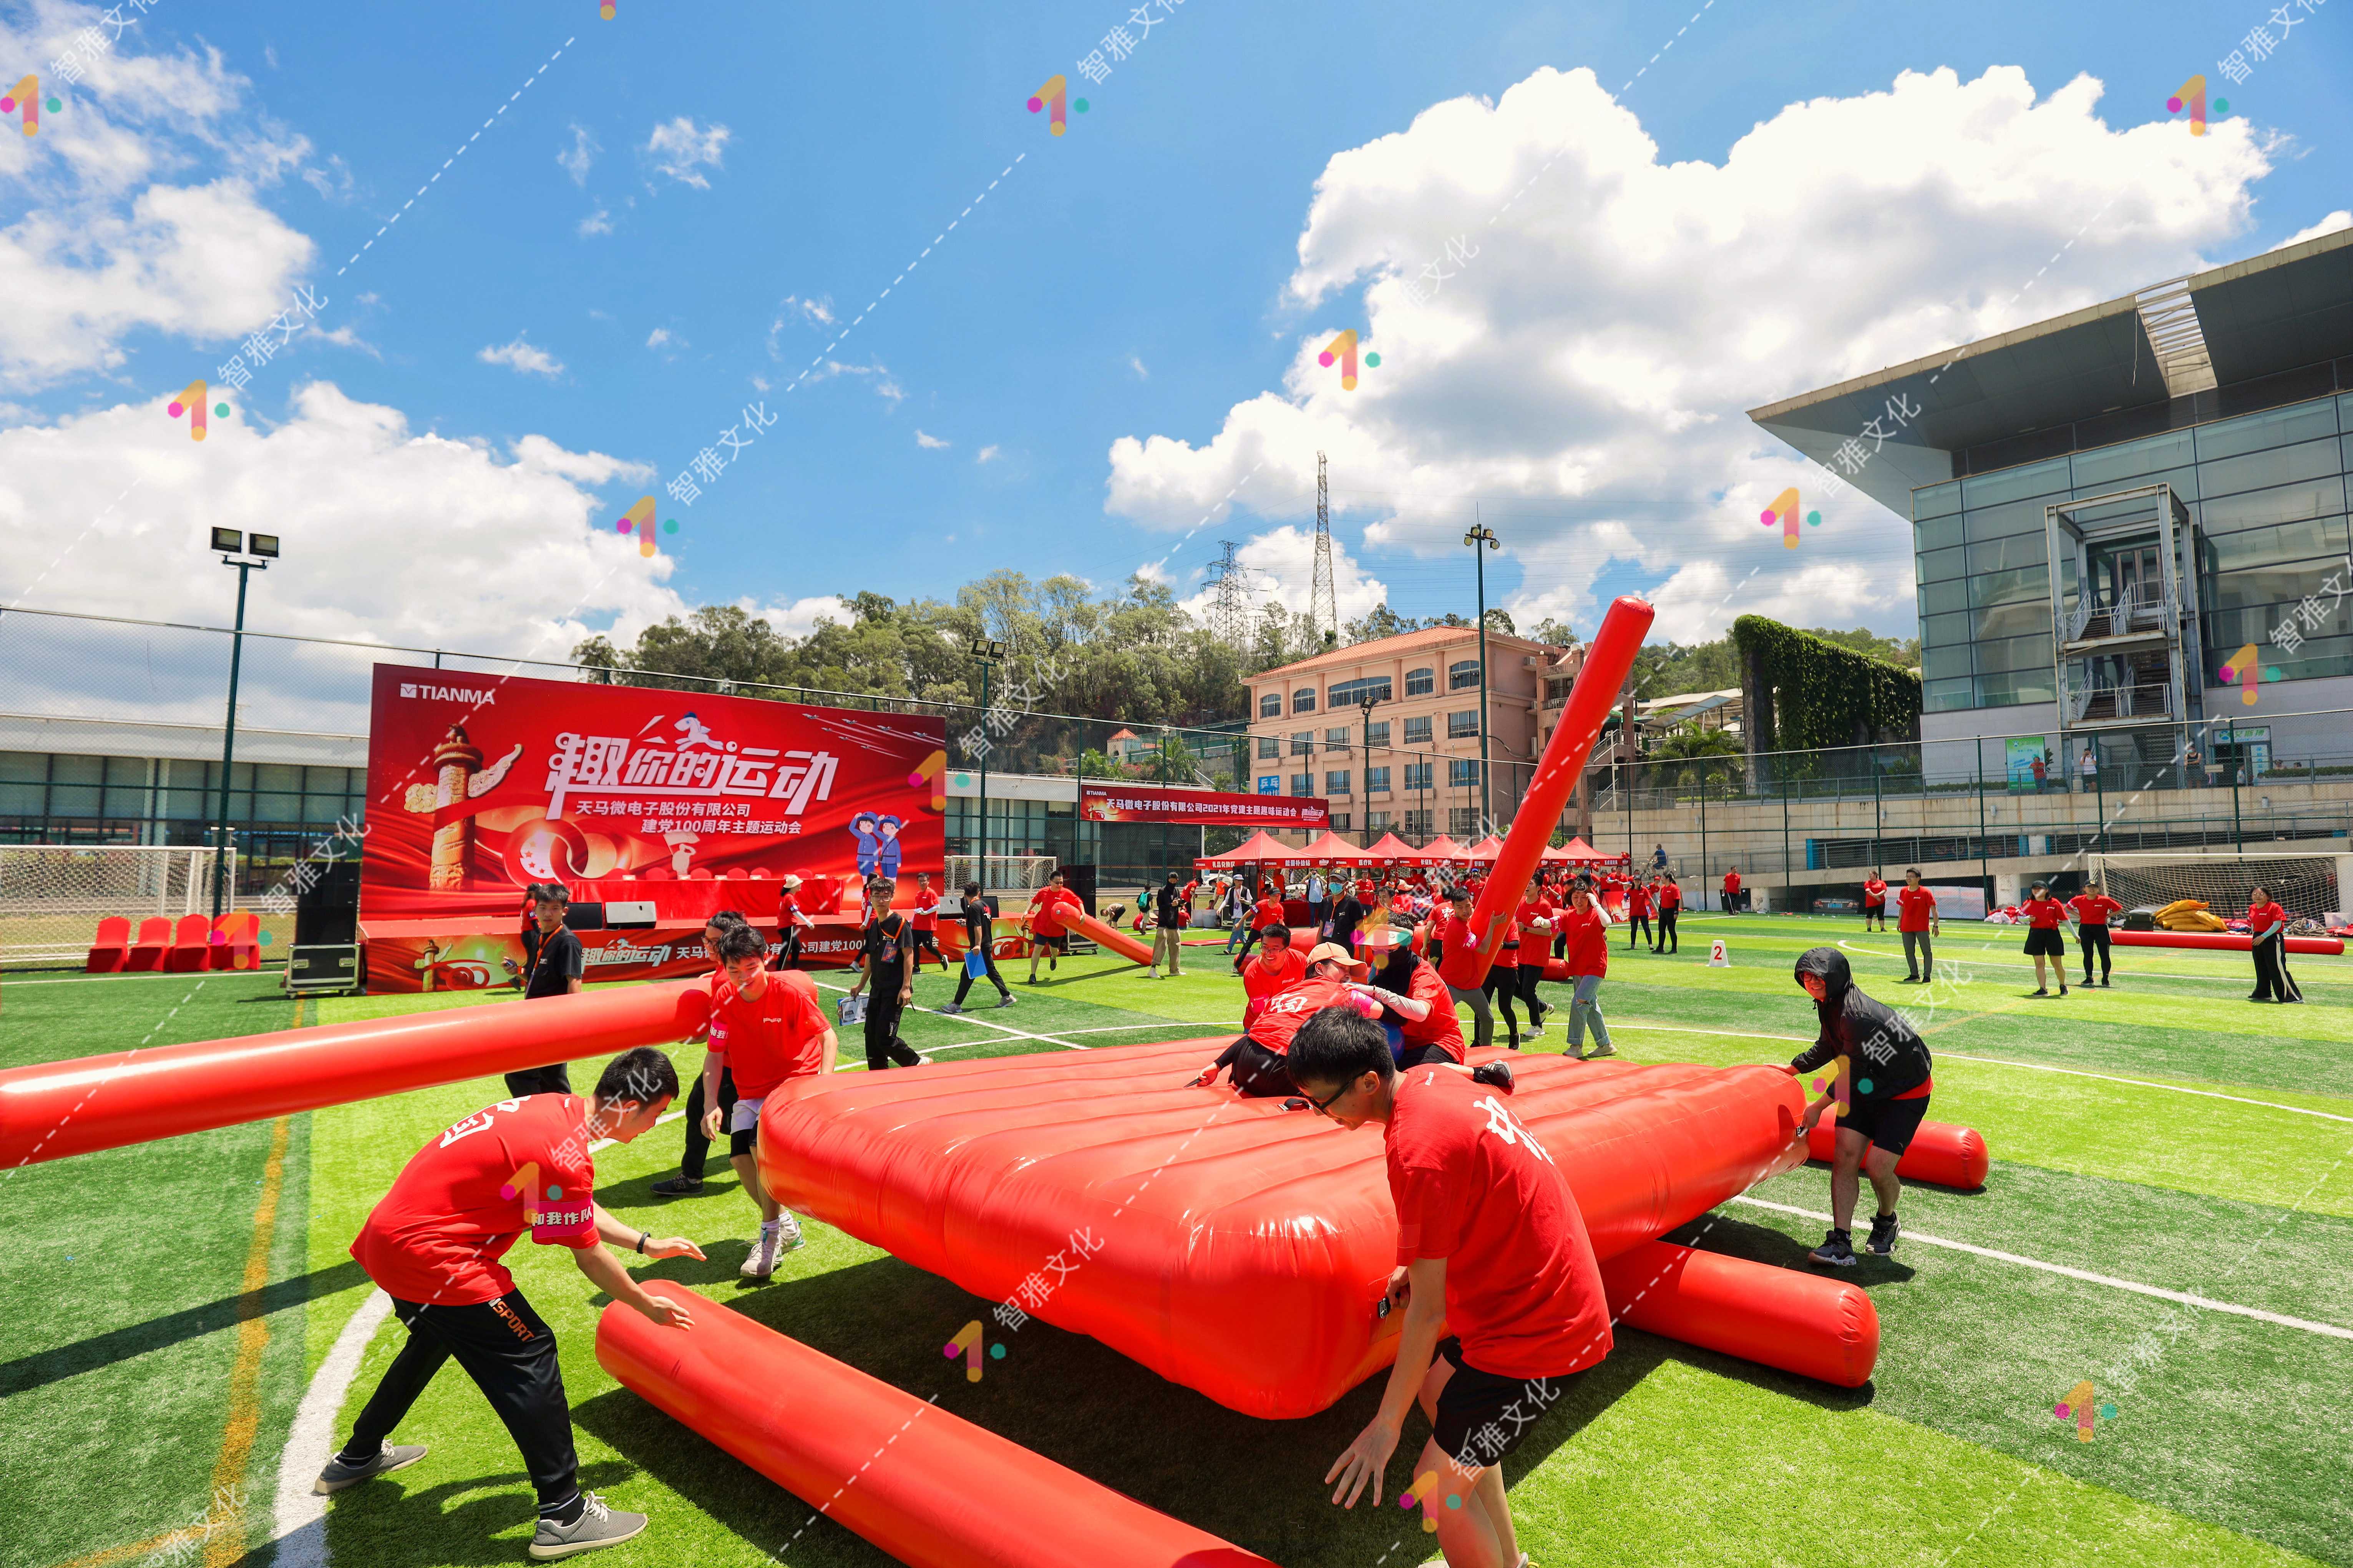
1603 1050
788 1230
761 1261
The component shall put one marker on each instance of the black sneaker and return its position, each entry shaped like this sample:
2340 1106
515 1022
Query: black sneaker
390 1457
678 1187
1882 1235
1912 979
596 1526
1494 1075
1837 1249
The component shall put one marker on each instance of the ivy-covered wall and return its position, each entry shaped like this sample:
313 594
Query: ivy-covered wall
1803 693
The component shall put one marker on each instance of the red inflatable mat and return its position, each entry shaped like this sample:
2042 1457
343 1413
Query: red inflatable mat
1107 1197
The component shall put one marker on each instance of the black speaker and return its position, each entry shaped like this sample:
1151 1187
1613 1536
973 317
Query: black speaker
1079 880
584 917
327 913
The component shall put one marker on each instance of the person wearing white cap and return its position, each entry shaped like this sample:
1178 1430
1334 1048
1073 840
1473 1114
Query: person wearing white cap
790 924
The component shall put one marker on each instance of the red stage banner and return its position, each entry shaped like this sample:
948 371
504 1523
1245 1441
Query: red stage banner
1113 803
481 785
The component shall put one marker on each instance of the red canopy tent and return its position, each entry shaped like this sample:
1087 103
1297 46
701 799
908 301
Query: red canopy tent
1330 849
1578 849
1486 849
1443 850
1391 850
1261 848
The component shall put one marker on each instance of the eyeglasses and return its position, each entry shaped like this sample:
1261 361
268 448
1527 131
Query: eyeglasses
1324 1107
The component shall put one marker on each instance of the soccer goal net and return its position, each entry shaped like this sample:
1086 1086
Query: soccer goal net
52 896
2307 885
1007 873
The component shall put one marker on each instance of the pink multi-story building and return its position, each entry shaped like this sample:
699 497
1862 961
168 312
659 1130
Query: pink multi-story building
1409 764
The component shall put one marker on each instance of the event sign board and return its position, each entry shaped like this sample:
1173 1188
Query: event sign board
481 785
1113 803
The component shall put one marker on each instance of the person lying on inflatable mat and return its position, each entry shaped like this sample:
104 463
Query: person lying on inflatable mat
1490 1245
1880 1087
1256 1057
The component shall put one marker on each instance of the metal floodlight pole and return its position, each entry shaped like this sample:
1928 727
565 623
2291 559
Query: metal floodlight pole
1482 534
1366 707
987 653
233 543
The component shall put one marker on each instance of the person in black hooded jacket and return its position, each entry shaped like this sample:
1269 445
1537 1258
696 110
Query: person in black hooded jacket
1879 1089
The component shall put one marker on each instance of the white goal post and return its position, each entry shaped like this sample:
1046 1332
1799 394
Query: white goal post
2309 886
52 896
1007 873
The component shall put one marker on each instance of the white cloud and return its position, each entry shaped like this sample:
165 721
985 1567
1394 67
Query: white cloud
681 150
522 356
817 312
885 388
332 180
663 339
140 211
800 617
595 223
1837 236
986 455
392 535
576 159
1135 363
931 443
2340 218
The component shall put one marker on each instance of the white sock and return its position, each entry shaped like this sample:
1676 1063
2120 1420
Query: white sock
767 1226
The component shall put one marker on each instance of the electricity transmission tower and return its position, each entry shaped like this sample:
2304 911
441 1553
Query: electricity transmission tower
1322 601
1229 605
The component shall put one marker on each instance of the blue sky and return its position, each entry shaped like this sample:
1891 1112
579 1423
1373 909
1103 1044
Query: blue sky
1135 278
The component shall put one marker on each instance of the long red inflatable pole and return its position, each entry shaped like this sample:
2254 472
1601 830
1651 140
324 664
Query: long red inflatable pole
90 1104
1599 681
930 1489
1941 1152
1823 1329
1104 935
2225 942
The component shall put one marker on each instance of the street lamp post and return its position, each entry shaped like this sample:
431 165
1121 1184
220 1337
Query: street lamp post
234 551
1365 705
1482 534
989 654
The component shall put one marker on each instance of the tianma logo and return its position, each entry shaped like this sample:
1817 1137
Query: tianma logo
486 697
2085 1407
27 95
1784 510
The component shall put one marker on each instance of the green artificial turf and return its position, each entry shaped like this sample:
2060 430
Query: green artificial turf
2228 1430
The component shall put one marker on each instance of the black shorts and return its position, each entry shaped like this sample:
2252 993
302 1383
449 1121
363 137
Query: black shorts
1409 1056
1888 1124
1474 1427
2045 942
1060 944
1258 1072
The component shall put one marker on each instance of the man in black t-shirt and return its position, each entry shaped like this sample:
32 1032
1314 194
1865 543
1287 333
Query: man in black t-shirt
886 962
1878 1084
555 966
1168 915
979 939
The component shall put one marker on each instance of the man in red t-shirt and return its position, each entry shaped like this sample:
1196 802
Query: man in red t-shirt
2044 916
433 1244
2093 909
2267 934
1537 915
1588 930
1874 901
766 1027
1503 983
1670 899
925 919
1732 889
1491 1244
1917 922
1277 968
1457 964
1050 906
1265 915
1638 916
792 925
1257 1057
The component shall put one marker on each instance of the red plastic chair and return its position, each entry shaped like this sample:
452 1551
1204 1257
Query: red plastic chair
240 945
111 949
190 949
146 954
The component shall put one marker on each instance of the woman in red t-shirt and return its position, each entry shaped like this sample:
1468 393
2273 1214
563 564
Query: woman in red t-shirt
1588 930
2267 924
2093 909
1874 901
1671 899
2044 916
1638 916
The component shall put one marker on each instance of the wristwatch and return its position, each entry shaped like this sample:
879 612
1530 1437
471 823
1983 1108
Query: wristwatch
641 1239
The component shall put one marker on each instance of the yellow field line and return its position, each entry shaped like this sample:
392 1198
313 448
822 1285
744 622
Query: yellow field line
225 1548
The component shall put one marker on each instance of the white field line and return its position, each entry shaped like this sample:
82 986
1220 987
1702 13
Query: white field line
2183 1296
2150 973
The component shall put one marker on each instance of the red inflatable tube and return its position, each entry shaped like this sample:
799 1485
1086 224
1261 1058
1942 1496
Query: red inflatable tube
2224 941
1103 936
1590 697
1115 1200
136 1096
1940 1152
931 1489
1823 1329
